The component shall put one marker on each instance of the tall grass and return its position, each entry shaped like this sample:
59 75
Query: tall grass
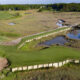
71 72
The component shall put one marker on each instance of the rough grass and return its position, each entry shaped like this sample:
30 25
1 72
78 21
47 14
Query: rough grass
5 15
69 72
3 38
8 34
35 22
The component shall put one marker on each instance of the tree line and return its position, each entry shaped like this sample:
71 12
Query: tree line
65 7
19 7
55 7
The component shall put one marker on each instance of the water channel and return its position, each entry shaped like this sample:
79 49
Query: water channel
73 34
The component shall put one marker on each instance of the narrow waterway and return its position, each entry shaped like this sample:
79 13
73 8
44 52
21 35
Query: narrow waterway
74 34
57 40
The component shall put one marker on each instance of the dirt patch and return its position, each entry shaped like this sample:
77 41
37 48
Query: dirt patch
13 42
3 63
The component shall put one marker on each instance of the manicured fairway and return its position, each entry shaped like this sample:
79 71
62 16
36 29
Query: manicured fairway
53 54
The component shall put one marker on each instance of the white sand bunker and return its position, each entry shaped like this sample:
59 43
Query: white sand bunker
12 23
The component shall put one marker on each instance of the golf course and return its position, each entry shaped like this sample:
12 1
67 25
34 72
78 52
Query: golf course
22 57
23 34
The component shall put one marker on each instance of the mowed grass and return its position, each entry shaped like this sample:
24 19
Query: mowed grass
53 54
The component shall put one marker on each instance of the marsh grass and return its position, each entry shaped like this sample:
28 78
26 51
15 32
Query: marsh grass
35 22
68 72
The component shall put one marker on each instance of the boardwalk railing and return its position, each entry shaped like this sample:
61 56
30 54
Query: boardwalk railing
33 67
